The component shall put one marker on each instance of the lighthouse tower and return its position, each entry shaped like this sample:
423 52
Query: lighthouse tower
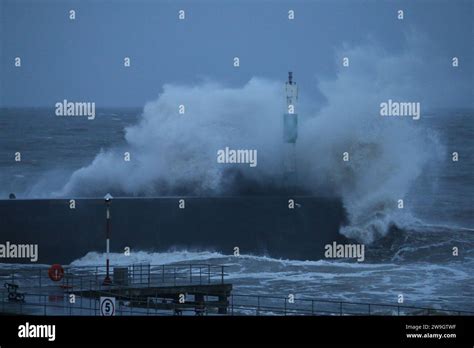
290 134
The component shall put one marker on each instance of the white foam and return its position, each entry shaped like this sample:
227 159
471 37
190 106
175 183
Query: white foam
137 257
387 155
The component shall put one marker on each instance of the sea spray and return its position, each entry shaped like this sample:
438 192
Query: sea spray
174 153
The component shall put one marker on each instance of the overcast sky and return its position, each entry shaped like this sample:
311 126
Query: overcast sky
82 60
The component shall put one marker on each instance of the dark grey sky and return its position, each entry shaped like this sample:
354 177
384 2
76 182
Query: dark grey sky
82 60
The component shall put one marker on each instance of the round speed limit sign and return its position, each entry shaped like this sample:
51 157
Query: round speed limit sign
107 306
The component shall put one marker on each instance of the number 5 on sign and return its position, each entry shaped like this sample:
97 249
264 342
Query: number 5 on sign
107 306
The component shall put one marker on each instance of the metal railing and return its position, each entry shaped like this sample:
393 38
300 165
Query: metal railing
239 305
91 277
40 295
282 306
60 305
29 290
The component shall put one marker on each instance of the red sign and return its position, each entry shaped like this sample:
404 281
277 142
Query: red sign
56 272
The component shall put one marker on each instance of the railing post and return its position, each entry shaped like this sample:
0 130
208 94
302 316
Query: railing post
222 274
312 307
191 274
163 273
81 296
209 274
340 308
285 307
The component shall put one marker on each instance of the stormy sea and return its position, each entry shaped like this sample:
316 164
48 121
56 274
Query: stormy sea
429 258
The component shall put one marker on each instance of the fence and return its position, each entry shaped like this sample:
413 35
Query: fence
34 293
91 277
274 305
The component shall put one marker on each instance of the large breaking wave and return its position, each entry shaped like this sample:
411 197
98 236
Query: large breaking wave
176 154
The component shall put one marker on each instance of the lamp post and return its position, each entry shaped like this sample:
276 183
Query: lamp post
108 199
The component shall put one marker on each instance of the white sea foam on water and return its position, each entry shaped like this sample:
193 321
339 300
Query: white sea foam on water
387 155
142 257
160 258
434 285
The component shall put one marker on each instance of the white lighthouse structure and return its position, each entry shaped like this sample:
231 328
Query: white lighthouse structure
290 133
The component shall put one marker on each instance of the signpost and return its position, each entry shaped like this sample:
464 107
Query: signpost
107 306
